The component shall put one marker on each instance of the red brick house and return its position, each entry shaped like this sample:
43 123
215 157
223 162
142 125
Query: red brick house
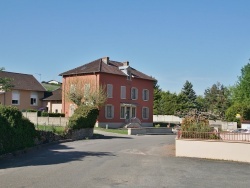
129 92
27 92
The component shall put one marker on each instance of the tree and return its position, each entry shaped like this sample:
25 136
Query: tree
241 90
79 92
5 85
217 100
187 97
157 106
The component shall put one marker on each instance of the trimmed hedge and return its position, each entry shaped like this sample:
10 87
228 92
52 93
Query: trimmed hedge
83 117
46 114
16 132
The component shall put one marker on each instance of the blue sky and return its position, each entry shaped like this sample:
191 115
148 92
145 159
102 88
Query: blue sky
202 41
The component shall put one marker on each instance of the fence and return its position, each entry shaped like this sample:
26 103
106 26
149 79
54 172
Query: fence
218 136
57 121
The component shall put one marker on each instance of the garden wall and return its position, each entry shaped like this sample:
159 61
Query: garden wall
233 151
57 121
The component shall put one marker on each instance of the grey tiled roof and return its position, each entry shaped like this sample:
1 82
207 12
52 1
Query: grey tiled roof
23 81
55 95
98 66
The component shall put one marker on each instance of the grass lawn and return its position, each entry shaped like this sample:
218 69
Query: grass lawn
119 131
55 129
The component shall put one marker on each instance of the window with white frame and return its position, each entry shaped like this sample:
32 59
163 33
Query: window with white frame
122 112
145 94
145 113
15 97
123 92
109 90
109 111
33 99
134 93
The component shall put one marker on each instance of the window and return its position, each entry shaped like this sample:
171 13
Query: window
109 90
145 113
15 97
133 112
122 112
123 92
134 93
33 99
109 111
145 94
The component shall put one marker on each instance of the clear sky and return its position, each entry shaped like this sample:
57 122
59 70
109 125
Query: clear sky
202 41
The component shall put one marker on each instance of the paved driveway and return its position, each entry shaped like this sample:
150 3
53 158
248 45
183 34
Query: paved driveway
118 161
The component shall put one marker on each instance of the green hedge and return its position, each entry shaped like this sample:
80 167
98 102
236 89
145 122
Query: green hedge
83 117
16 132
46 114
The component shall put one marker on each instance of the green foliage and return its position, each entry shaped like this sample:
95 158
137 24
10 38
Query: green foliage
241 91
196 125
11 114
238 108
50 87
83 117
217 100
46 114
186 100
16 132
195 121
5 83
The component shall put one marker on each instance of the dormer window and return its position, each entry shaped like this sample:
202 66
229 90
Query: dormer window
126 70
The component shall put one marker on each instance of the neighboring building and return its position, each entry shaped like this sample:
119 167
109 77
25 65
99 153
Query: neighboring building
27 92
54 101
54 82
129 92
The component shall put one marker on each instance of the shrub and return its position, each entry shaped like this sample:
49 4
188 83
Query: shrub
12 115
46 114
83 117
16 132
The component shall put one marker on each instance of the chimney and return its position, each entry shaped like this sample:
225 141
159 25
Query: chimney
126 63
105 60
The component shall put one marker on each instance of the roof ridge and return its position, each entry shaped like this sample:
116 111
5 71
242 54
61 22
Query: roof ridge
17 73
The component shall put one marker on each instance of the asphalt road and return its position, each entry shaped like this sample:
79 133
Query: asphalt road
118 161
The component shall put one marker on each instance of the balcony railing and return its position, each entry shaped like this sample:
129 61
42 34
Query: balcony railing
219 136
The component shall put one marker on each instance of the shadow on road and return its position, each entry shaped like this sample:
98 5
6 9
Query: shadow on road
103 136
51 155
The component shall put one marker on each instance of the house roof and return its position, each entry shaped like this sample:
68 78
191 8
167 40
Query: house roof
22 81
111 67
55 95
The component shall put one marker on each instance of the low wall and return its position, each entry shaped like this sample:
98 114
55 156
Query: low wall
233 151
167 119
149 130
57 121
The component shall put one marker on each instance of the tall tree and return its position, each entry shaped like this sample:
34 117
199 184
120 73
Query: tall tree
187 97
217 100
241 90
157 106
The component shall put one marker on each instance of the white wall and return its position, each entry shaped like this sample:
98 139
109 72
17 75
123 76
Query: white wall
233 151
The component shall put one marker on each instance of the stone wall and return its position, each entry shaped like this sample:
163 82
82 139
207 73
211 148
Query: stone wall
49 137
